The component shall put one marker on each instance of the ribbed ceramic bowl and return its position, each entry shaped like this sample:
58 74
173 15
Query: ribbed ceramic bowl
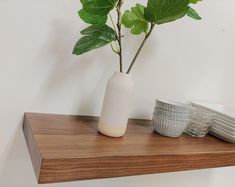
172 107
169 127
195 130
199 123
171 115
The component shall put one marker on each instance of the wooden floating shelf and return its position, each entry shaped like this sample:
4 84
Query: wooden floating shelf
69 148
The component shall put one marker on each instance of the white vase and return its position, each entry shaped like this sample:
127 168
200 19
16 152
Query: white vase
116 105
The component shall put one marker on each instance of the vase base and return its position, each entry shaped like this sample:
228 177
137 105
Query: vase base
111 131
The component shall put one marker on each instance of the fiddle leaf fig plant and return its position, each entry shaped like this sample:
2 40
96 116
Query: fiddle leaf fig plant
91 18
135 20
95 36
193 14
140 19
98 7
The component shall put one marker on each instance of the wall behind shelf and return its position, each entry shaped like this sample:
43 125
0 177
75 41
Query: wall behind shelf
186 60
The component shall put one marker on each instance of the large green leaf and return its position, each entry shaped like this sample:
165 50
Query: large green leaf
193 14
194 1
96 36
91 18
99 30
163 11
98 7
135 20
85 1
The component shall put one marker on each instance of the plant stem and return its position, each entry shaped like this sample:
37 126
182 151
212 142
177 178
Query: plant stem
114 50
119 33
141 47
114 28
112 21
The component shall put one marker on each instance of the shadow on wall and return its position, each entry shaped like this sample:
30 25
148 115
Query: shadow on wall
70 76
17 158
81 80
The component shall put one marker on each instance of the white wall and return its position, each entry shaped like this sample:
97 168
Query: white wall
186 60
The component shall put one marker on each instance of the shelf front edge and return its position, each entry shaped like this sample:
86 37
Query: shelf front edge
34 152
62 170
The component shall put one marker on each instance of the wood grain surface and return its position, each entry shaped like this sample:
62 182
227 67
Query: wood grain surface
68 148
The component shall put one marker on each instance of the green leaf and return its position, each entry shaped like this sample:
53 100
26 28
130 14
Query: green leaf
163 11
98 30
92 19
98 7
96 36
194 1
193 14
85 1
135 20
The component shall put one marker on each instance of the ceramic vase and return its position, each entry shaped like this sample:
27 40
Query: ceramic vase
116 105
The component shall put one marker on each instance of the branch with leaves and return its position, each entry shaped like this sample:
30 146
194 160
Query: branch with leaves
140 20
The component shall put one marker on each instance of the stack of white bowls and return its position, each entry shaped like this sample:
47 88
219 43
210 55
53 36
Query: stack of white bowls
223 124
170 118
200 122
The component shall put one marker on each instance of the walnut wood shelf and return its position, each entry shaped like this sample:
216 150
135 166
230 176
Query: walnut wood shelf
68 148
